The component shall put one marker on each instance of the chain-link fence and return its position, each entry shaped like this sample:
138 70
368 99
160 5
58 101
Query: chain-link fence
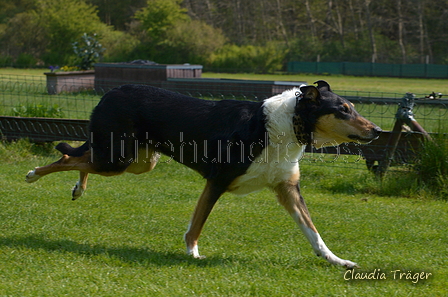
29 109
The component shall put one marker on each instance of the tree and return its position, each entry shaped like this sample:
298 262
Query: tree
193 41
170 36
371 31
401 31
159 16
9 8
118 14
64 22
48 30
383 31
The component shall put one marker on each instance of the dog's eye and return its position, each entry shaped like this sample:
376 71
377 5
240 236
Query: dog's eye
345 108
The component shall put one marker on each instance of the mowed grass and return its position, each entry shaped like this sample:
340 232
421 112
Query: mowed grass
351 83
338 82
124 236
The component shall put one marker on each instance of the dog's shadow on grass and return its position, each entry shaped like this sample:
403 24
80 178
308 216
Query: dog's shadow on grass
123 254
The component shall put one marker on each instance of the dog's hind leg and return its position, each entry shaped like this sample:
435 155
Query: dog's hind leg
38 172
289 196
67 163
204 206
72 158
31 176
80 186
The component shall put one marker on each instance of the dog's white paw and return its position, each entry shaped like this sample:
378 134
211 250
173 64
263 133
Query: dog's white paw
330 257
31 177
195 252
77 191
350 265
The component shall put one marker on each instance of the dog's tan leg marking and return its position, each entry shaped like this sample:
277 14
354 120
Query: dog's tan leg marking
289 196
203 208
145 161
38 172
67 163
80 186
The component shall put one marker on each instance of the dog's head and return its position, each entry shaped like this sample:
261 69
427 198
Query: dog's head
323 118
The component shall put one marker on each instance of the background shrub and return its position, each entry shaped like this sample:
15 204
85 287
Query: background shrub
433 165
88 51
38 110
25 60
260 59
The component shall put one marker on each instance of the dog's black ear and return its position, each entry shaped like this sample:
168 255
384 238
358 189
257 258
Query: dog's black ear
323 86
310 93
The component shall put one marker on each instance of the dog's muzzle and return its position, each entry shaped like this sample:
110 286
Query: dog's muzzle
374 134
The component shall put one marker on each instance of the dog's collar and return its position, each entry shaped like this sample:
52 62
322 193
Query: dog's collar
299 95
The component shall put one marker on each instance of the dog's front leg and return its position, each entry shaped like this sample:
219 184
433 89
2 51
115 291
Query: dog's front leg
204 206
289 196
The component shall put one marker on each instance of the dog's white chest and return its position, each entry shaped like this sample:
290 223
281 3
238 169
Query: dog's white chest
279 161
276 163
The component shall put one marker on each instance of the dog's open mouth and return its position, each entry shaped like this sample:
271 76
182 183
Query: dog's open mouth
363 140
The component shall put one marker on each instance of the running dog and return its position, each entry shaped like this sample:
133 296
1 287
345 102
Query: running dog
237 146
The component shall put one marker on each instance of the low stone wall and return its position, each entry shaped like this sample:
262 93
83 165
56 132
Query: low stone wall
111 75
70 81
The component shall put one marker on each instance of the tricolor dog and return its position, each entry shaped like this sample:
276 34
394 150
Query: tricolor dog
237 146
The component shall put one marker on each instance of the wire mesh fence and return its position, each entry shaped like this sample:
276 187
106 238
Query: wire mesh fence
29 109
28 96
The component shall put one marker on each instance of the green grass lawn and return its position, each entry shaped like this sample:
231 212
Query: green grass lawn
124 236
338 82
352 83
24 71
73 106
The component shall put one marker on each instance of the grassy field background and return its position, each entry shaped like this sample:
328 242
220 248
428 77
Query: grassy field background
124 236
338 82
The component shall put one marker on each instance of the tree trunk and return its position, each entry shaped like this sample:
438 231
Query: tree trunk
421 33
355 26
311 20
280 21
337 23
370 29
400 32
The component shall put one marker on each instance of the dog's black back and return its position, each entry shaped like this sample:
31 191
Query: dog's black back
140 117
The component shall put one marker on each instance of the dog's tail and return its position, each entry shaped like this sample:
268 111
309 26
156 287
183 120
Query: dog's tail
67 149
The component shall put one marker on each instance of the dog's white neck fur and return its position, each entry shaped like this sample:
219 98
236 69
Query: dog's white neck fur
279 111
279 160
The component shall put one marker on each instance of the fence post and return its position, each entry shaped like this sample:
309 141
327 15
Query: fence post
404 115
391 147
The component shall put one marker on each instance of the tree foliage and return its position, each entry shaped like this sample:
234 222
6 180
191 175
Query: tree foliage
65 21
409 31
171 36
48 30
118 14
159 16
222 33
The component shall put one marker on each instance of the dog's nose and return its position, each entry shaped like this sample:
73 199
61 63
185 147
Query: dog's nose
377 131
